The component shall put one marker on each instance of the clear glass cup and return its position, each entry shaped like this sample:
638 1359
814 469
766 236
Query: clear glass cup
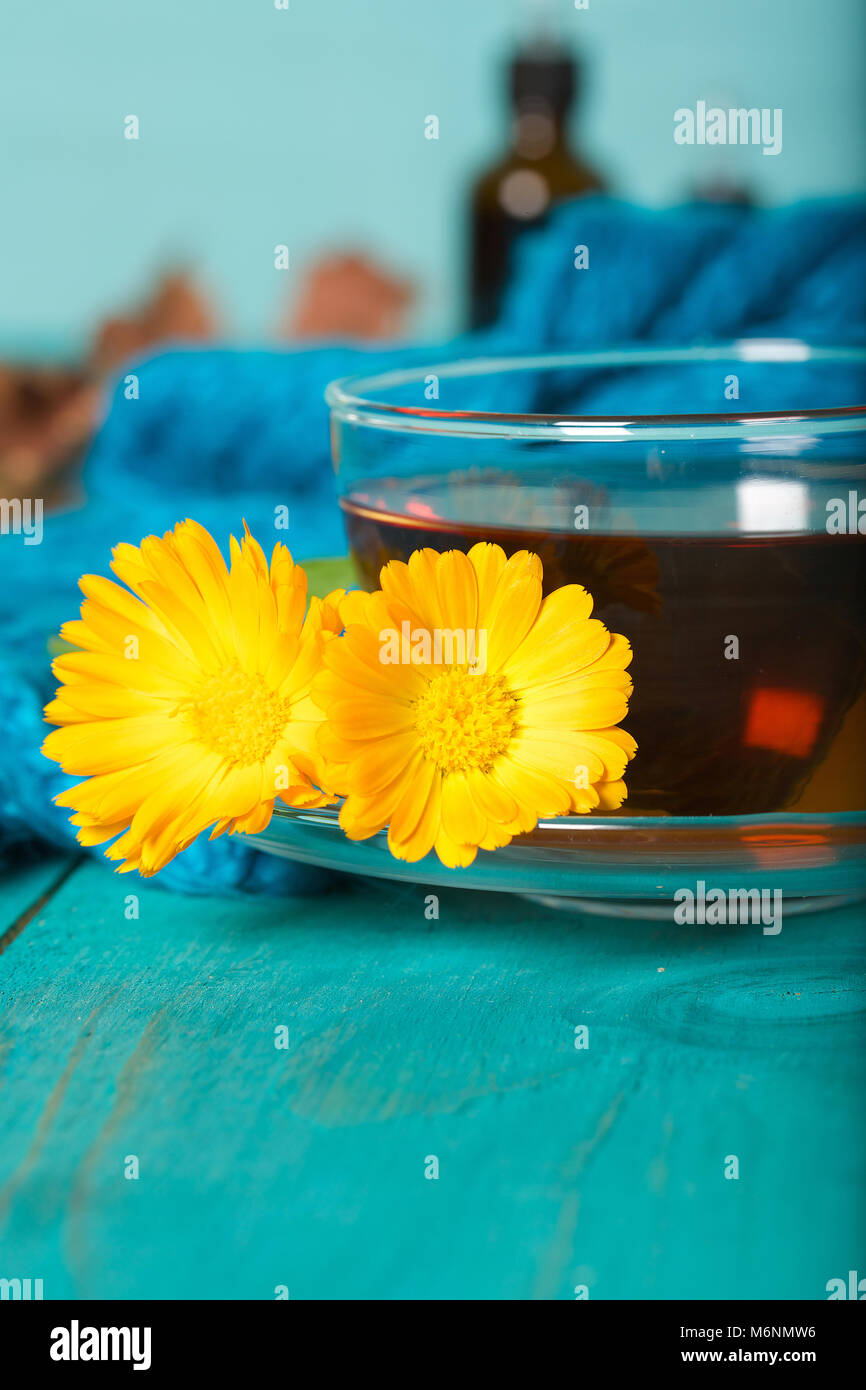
709 499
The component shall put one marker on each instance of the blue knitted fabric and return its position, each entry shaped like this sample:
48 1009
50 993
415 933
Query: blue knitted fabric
224 434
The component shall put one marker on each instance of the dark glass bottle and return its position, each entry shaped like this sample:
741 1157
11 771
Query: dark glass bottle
538 171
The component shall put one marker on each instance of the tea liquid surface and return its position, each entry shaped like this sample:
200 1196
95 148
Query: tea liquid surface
781 726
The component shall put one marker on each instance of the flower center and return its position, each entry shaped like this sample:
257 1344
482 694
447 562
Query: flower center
465 720
237 716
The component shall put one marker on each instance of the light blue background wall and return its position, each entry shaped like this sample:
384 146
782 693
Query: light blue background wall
261 126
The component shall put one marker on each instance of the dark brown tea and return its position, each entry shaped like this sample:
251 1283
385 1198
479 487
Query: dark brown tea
749 654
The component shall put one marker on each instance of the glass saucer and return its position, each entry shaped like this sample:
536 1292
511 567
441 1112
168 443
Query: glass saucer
624 864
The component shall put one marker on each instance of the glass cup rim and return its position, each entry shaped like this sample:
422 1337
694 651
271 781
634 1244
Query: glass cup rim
353 399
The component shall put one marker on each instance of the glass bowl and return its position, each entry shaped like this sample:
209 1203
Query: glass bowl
709 498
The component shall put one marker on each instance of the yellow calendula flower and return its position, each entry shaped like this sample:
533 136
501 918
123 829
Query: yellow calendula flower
461 707
188 704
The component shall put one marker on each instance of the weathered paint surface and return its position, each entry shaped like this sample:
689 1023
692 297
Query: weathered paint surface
410 1038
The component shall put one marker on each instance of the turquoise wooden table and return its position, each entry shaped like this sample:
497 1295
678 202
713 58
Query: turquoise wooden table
156 1045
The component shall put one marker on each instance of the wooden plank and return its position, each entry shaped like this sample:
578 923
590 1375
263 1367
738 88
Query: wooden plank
410 1038
26 888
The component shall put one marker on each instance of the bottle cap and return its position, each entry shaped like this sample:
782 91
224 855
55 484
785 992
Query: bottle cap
546 72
